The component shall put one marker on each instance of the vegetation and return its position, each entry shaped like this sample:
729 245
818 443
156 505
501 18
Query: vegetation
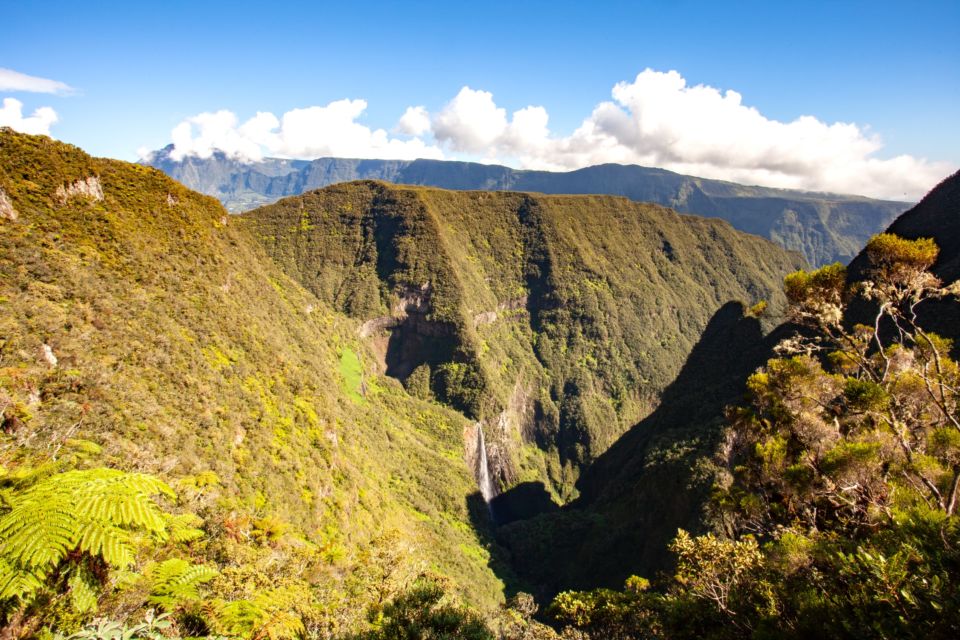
822 227
199 438
840 501
146 334
557 320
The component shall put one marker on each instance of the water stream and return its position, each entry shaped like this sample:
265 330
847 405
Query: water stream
487 488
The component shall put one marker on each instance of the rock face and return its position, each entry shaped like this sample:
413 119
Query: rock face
554 321
824 227
7 212
83 188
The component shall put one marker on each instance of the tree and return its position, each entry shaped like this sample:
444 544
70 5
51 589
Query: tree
846 461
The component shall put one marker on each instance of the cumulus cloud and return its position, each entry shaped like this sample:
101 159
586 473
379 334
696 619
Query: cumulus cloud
11 115
415 121
655 120
311 132
11 80
471 122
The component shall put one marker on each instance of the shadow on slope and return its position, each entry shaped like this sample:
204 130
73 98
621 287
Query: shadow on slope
653 480
937 216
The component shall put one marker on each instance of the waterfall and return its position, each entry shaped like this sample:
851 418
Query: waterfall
487 488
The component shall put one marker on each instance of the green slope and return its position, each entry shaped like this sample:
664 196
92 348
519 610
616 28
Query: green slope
136 314
557 321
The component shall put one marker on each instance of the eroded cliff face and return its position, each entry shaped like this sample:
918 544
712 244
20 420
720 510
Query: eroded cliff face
553 321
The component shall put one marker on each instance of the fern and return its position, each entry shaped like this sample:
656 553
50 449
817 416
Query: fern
184 527
176 581
270 614
68 518
83 589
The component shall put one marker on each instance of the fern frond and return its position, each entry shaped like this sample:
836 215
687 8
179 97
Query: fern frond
271 613
107 541
184 527
94 512
83 589
18 583
38 533
176 581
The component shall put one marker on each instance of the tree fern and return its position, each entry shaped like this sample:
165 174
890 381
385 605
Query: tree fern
176 581
270 614
70 519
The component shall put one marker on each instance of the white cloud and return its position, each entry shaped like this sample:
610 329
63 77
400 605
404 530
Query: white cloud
312 132
415 121
11 80
656 120
11 115
471 122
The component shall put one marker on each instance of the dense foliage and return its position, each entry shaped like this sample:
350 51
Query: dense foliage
137 318
558 320
197 437
840 503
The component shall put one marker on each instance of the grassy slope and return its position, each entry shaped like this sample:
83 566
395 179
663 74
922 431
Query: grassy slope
182 348
598 299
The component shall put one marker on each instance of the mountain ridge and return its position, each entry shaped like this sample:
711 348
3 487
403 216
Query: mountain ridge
824 227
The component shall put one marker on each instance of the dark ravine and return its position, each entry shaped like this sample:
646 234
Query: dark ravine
823 227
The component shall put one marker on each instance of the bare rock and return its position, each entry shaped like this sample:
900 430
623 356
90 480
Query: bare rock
49 356
84 188
7 212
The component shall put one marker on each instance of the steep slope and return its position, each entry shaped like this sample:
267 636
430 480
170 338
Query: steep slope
824 227
555 321
937 216
658 476
136 314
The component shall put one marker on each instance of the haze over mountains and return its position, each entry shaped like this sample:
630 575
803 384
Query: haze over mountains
823 227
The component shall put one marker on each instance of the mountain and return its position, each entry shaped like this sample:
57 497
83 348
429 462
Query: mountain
823 227
141 318
556 322
659 475
313 377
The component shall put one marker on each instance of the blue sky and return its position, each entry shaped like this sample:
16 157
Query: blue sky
140 69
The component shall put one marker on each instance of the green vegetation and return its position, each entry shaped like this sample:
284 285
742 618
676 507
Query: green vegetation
823 227
255 427
557 320
147 334
839 502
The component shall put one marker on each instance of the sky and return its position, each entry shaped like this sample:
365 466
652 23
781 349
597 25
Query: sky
844 96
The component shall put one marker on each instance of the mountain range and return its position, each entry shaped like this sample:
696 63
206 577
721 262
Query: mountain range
825 228
327 380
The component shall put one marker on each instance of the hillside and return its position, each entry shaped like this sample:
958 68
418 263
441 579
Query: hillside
659 476
555 321
137 315
823 227
312 376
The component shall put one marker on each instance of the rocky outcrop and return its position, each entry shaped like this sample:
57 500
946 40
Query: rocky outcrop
489 317
89 188
7 212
